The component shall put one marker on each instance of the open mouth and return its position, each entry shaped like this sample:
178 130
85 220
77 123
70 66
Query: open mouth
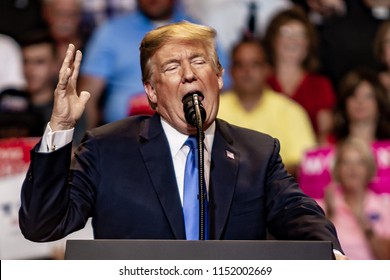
190 94
192 105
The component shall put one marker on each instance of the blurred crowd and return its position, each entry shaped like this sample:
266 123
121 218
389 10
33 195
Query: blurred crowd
313 73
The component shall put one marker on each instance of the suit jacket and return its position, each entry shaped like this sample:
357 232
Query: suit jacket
122 176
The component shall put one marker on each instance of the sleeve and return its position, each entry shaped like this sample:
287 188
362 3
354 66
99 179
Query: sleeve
53 140
56 200
292 215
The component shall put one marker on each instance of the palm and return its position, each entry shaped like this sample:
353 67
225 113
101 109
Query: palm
68 104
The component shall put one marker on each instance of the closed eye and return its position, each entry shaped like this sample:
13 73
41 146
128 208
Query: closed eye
170 67
198 61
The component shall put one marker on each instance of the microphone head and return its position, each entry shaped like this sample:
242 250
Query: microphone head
189 108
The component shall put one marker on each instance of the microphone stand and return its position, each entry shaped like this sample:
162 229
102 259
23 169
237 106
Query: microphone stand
202 193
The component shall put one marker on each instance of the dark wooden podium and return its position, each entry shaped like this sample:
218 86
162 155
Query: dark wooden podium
120 249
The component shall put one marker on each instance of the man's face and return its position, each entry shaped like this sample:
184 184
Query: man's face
63 17
179 68
39 66
249 69
157 9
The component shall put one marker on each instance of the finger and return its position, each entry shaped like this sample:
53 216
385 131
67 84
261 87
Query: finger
68 57
84 96
67 61
64 78
76 66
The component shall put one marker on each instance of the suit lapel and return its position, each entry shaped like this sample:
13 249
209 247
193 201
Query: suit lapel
224 169
158 161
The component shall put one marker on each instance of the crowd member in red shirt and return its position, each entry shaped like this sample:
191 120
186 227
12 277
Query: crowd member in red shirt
292 46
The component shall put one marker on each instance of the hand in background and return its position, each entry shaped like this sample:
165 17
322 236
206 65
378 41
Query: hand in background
377 3
341 257
68 104
327 7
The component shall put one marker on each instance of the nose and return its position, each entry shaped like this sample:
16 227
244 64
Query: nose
188 74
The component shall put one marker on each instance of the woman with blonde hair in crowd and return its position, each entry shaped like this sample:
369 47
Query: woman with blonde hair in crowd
291 42
361 217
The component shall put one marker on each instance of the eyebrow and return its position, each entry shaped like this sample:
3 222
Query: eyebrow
196 55
176 60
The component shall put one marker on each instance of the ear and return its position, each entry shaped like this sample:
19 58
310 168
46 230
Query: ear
220 79
150 92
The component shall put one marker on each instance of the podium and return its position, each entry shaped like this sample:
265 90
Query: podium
120 249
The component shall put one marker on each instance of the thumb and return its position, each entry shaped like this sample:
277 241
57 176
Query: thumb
84 96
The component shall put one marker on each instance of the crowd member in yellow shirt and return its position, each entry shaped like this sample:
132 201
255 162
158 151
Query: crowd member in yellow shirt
253 105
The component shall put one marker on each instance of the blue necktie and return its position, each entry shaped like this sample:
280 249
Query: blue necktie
191 190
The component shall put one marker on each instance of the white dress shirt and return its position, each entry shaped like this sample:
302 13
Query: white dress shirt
179 153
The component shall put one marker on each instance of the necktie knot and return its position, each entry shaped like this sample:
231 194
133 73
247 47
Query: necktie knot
191 142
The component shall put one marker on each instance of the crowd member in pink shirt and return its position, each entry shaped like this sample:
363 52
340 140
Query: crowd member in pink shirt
361 217
362 111
292 45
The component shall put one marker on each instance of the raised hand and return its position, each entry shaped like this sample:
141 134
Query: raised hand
68 104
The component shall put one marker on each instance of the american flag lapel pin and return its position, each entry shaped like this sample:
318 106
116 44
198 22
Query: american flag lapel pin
229 154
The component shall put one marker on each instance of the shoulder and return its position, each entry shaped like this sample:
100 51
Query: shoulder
237 134
7 43
180 14
252 146
124 20
320 79
280 100
125 128
379 200
122 23
228 101
227 96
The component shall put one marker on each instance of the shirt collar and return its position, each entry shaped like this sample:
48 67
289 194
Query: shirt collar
176 139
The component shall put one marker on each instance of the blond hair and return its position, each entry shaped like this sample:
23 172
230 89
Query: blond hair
364 150
183 31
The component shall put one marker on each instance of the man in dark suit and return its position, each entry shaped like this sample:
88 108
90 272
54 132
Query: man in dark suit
128 175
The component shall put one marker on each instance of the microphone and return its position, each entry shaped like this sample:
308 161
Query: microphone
195 115
192 104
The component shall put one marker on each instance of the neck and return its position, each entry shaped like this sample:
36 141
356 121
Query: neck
363 130
287 66
354 198
289 77
42 97
249 100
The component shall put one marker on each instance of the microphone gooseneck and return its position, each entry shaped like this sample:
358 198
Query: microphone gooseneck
195 115
190 104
